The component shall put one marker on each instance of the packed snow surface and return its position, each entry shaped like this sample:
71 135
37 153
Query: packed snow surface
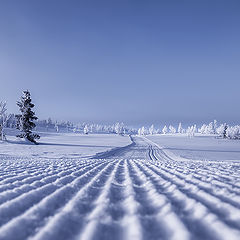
137 191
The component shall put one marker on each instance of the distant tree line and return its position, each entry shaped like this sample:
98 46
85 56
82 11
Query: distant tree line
27 123
221 130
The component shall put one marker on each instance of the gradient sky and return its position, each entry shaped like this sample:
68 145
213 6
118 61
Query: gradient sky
135 61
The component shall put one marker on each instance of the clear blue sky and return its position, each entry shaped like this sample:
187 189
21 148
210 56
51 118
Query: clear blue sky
133 61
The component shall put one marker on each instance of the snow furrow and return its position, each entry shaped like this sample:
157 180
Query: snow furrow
98 215
18 205
226 211
137 192
131 220
158 209
194 210
35 216
14 190
69 219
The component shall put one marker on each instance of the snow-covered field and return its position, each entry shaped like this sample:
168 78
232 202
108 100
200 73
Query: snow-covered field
56 190
63 145
200 147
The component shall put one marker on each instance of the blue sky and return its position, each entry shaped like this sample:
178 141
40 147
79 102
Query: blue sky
139 62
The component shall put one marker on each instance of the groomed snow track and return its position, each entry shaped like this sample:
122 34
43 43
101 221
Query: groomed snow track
137 193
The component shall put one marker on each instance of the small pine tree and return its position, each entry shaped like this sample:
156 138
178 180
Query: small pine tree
85 130
225 131
25 120
151 130
180 129
172 129
165 129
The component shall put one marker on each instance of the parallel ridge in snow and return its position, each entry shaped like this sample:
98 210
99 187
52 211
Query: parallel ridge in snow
137 193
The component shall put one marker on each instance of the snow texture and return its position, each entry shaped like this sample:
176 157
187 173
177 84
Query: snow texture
138 192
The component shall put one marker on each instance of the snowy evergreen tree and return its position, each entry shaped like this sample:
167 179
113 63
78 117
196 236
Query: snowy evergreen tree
142 131
172 129
139 131
25 120
202 130
85 130
180 129
210 128
119 128
3 119
56 126
233 132
215 126
191 131
165 129
151 130
225 131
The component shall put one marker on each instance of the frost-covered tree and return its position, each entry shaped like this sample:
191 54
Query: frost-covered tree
225 131
172 129
119 128
180 129
56 126
151 130
25 120
233 132
142 131
194 129
157 131
3 119
139 131
220 129
165 129
191 131
215 126
49 123
210 128
202 130
86 130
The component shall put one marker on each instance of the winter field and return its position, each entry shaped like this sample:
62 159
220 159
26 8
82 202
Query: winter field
107 186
